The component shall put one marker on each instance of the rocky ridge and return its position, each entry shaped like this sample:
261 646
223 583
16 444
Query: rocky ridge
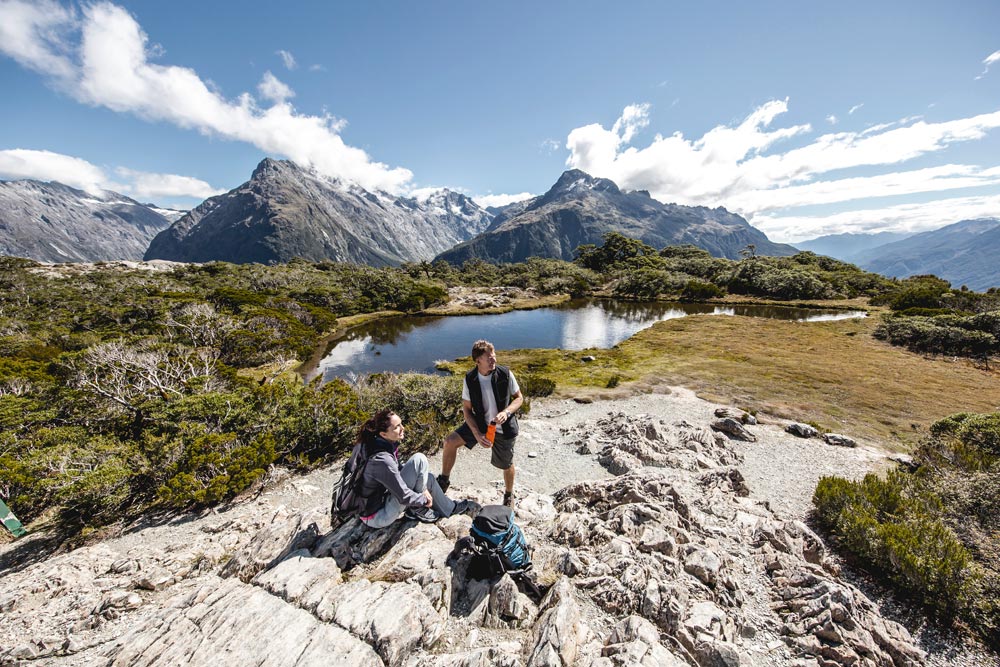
671 561
286 211
579 209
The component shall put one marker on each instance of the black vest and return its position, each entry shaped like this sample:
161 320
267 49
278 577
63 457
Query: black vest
500 380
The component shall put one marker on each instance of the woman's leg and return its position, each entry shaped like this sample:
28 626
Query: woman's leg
391 511
416 473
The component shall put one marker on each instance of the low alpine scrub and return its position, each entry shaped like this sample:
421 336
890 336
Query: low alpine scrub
933 532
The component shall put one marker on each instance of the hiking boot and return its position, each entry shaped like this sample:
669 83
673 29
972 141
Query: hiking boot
422 514
466 507
443 482
508 498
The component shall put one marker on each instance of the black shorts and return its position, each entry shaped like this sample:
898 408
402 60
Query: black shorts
502 450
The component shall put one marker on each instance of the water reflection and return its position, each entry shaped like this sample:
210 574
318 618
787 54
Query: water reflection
416 343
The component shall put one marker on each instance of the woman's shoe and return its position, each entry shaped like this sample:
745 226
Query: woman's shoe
422 514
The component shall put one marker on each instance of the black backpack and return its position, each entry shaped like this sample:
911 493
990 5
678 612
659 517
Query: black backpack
499 542
347 499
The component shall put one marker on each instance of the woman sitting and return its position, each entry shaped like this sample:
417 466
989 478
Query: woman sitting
391 490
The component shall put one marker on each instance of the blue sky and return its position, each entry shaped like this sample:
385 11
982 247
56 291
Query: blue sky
806 119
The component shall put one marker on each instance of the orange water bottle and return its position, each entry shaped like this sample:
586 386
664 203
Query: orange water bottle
491 431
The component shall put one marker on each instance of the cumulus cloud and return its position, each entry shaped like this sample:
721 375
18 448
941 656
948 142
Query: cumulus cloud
271 88
34 34
287 58
19 163
108 65
743 168
831 119
146 185
501 200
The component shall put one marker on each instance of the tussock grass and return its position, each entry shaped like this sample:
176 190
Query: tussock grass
834 374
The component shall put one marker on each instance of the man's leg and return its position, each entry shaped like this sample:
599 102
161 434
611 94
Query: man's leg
508 478
451 445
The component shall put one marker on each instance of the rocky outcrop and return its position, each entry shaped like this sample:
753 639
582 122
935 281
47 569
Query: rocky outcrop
669 563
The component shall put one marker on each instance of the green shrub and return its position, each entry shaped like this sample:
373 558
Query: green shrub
533 385
696 290
650 284
893 525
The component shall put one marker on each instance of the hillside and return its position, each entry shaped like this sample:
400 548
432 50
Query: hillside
52 222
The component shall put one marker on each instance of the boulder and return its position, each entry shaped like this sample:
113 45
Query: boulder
801 430
737 414
733 428
839 440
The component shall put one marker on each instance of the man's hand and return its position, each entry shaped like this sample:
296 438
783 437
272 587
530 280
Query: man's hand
429 497
481 437
502 417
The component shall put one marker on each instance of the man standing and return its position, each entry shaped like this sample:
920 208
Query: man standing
489 394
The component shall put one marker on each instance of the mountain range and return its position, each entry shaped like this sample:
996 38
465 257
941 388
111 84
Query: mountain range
52 222
580 209
963 253
849 247
285 211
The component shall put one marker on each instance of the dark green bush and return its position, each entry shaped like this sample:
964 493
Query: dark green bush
533 385
696 290
936 336
933 532
891 524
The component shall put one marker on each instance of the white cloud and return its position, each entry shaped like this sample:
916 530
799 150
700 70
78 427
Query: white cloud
855 108
33 33
109 67
317 68
831 119
914 217
146 185
743 169
287 58
18 163
501 200
931 179
271 88
989 60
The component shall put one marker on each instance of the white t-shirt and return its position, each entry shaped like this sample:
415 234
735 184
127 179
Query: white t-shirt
489 401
